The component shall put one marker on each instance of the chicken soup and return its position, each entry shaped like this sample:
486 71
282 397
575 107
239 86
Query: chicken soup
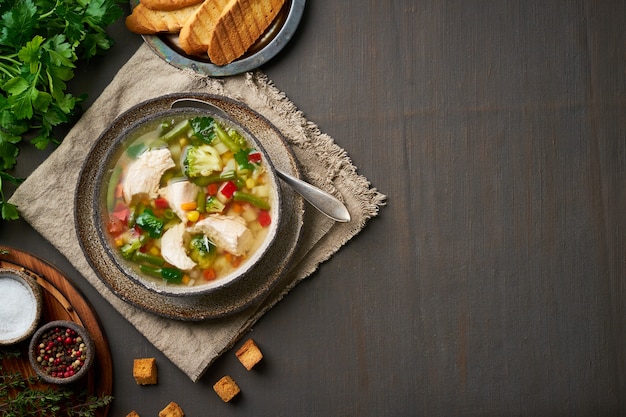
189 200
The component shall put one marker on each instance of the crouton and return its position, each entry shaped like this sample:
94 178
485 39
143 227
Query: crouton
145 371
249 354
226 388
172 410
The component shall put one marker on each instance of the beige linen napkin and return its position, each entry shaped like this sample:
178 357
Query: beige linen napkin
44 199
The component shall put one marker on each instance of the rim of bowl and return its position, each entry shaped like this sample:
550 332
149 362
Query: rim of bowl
35 291
99 213
83 332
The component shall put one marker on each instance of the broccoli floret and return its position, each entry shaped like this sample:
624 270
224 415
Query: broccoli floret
237 138
202 251
201 161
213 205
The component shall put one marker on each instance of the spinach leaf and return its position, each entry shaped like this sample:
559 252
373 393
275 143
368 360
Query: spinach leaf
204 129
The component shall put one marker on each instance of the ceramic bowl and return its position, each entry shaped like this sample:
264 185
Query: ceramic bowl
20 306
49 347
104 180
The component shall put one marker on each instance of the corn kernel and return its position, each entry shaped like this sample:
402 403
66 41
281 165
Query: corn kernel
154 251
186 279
119 242
193 215
250 183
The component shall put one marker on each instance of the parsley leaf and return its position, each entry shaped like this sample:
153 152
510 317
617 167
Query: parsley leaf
41 42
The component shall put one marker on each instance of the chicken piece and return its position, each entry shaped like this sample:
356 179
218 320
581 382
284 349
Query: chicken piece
228 232
144 174
177 193
173 248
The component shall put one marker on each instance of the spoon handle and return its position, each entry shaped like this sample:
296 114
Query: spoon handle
321 200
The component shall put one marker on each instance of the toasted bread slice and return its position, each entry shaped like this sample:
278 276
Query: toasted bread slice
225 29
194 35
145 21
241 24
169 5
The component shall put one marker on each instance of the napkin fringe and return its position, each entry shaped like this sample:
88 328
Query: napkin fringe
333 157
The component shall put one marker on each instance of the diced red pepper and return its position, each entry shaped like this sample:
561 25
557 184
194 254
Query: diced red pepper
255 157
228 189
161 203
115 226
122 215
137 231
264 218
119 206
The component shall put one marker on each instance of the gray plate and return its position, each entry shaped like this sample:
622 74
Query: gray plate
266 275
269 44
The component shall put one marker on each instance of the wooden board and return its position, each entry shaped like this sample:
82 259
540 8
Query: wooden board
62 301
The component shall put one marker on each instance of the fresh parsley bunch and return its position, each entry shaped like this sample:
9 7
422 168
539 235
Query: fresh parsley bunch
40 44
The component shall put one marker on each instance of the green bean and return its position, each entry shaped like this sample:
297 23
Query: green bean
213 178
180 129
252 199
145 257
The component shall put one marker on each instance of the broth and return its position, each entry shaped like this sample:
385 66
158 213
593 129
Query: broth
189 200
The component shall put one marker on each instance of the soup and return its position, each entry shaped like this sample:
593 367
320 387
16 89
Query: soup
189 200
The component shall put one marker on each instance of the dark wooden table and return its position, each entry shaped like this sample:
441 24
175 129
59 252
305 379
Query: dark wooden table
494 282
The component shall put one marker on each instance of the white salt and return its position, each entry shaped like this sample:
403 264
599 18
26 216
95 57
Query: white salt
18 308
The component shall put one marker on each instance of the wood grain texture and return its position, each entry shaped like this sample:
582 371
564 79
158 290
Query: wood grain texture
62 301
494 282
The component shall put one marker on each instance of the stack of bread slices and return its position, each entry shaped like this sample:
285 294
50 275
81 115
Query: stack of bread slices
222 29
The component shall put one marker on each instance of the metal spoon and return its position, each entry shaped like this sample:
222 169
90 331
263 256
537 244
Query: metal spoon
321 200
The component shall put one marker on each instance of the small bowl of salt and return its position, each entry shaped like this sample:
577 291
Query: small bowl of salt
20 306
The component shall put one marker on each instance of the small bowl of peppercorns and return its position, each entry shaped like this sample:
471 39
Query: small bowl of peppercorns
61 352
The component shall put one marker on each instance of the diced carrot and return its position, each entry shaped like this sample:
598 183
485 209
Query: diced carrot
236 207
211 189
236 261
188 206
228 257
209 274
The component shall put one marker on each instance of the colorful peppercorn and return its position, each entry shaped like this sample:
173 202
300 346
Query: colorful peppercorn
62 352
